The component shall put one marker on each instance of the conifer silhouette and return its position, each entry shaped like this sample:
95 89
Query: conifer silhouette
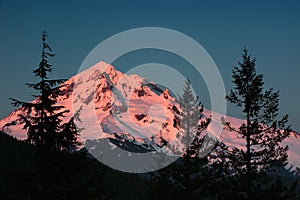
263 131
43 117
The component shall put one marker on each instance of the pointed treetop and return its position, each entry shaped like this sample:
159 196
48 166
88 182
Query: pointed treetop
44 36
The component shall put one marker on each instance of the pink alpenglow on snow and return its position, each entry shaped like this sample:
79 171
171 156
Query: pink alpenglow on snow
113 103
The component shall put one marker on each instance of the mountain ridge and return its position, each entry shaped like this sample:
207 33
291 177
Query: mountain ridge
113 103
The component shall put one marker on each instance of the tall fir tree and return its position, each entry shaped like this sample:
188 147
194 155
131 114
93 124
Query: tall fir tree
262 131
190 129
43 117
189 176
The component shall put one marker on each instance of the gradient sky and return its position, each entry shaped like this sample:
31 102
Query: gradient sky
269 29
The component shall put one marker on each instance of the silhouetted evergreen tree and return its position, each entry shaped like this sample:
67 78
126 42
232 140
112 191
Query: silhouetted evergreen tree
190 130
43 117
262 130
189 176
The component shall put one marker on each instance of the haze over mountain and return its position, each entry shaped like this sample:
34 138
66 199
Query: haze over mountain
109 104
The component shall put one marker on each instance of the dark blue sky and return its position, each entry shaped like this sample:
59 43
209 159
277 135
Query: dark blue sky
269 29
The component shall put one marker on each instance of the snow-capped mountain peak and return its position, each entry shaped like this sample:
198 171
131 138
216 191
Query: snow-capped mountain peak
109 104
